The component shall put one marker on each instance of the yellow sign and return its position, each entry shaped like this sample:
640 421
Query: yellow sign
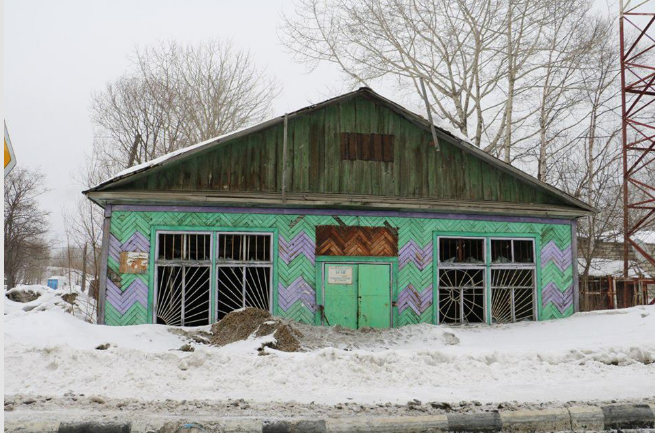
10 158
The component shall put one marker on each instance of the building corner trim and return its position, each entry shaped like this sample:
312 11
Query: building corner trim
574 263
104 256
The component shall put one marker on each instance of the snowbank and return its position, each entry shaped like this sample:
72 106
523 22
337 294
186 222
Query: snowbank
597 355
78 302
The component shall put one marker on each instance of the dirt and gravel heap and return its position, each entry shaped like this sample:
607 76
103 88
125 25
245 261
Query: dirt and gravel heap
291 336
252 322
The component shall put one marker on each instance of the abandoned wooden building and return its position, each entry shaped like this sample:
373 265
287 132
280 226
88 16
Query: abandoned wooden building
344 212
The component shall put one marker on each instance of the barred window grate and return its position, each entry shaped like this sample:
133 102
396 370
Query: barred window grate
512 280
469 279
183 279
244 272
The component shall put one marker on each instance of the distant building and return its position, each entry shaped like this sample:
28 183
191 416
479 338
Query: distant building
339 213
605 286
57 282
608 259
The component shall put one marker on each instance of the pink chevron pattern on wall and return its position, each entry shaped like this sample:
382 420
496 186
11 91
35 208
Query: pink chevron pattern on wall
412 253
301 244
298 290
122 300
411 298
551 253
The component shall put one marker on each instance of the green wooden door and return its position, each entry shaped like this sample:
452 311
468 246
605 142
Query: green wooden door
358 295
374 296
341 294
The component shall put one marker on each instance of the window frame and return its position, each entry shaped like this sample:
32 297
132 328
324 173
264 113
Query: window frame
459 266
487 267
155 230
183 264
244 264
515 266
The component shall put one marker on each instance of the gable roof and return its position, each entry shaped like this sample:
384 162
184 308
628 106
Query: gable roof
452 135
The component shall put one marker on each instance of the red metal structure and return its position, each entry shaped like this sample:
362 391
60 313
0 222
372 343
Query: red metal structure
637 34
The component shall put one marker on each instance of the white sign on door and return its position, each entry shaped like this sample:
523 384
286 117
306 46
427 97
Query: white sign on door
340 275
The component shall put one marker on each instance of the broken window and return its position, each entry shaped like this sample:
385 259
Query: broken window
183 281
461 280
512 251
512 280
244 272
461 250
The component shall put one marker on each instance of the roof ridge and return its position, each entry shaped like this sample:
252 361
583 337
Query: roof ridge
459 140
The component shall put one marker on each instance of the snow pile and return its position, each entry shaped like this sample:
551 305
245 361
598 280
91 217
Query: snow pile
603 267
38 298
590 356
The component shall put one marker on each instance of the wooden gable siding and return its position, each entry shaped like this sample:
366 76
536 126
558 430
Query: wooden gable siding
253 163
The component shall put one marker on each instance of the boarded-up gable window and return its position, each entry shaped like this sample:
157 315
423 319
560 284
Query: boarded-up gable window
367 147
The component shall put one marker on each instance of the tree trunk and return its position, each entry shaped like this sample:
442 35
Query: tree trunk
84 267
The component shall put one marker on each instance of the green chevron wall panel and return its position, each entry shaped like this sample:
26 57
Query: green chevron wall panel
128 295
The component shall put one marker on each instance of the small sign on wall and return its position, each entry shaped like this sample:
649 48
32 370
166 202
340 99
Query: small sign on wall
340 275
133 262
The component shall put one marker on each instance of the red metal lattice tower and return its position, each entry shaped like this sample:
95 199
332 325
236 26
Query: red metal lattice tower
637 34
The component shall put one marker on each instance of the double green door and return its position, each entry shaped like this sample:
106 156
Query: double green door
357 295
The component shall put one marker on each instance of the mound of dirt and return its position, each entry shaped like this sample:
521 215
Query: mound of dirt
23 296
242 324
69 297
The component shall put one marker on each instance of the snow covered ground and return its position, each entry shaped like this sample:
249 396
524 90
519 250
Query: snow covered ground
591 356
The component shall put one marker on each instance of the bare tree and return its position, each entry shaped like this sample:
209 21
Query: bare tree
570 53
480 60
587 166
451 45
25 226
84 223
177 95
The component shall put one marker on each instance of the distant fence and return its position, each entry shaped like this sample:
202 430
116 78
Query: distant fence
609 293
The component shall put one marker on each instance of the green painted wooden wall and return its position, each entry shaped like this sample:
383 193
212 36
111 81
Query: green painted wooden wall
129 296
253 163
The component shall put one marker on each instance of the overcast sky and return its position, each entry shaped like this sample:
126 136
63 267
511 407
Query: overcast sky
57 53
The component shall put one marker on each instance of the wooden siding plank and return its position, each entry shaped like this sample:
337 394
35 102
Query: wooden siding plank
321 162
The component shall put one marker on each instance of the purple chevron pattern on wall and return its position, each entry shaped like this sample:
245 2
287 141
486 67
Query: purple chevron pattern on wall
561 300
552 253
114 248
409 297
122 300
298 290
136 242
301 244
412 253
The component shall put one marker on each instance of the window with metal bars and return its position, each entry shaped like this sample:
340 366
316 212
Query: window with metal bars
512 280
244 271
461 296
461 280
183 278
